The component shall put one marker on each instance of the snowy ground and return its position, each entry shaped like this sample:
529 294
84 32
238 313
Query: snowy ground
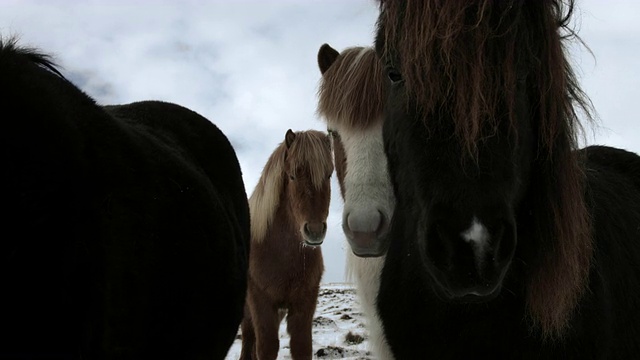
338 331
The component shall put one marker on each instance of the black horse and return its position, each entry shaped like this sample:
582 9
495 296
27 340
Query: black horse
509 242
125 229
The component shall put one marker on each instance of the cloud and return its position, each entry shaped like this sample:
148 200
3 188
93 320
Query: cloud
250 66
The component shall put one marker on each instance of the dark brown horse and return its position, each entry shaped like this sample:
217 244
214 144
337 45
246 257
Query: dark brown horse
125 228
508 241
351 100
289 207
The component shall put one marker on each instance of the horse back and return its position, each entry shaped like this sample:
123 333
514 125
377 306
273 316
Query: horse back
124 225
186 215
613 194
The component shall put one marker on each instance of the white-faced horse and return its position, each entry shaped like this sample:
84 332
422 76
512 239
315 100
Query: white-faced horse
351 95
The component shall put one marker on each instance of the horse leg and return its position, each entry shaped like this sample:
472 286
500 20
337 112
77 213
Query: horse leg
248 350
266 322
299 326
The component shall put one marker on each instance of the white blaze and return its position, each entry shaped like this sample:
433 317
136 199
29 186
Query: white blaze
478 236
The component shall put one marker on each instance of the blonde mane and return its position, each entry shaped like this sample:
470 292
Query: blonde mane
352 90
311 149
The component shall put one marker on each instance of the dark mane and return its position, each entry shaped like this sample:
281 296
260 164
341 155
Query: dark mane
10 47
357 74
473 53
459 46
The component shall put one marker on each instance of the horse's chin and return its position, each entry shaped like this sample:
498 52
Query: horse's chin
471 296
313 241
474 299
447 291
367 245
367 253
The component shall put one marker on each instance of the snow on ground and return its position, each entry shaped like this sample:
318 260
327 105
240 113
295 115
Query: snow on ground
338 327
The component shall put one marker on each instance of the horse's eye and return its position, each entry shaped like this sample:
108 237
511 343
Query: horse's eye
291 177
394 75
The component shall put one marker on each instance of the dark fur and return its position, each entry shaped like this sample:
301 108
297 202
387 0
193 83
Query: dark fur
481 121
125 228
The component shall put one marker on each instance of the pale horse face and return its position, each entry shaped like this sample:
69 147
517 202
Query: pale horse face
361 166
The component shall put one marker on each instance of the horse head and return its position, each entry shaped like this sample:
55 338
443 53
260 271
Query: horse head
479 133
307 172
351 98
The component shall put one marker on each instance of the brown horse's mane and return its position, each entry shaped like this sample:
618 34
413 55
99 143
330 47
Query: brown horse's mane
352 90
469 55
310 149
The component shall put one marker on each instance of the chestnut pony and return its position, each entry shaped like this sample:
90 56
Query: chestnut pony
350 100
125 228
508 240
289 207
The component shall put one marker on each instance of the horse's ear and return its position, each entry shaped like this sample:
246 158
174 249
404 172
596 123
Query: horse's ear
289 137
326 56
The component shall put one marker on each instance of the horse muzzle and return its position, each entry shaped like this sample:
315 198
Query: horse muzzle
313 233
469 264
366 232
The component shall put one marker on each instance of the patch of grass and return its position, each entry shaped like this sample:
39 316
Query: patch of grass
353 339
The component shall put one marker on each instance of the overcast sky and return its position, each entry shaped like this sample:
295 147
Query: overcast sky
250 66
